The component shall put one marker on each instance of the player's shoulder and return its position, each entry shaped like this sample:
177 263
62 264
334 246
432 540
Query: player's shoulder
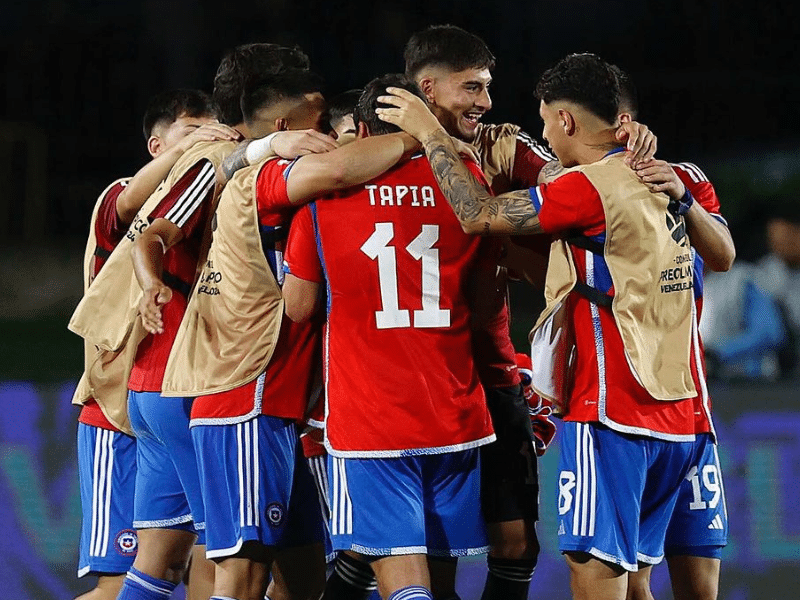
691 171
207 151
495 131
116 186
113 190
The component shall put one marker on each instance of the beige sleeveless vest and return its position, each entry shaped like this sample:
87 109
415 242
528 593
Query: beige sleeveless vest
109 403
107 315
649 259
497 146
234 316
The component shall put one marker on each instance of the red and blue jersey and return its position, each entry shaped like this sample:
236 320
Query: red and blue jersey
287 385
187 205
400 378
604 388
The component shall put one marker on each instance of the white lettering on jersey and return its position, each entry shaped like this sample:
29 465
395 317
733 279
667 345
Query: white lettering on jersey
421 248
393 195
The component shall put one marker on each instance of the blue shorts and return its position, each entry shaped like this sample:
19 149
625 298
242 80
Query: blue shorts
107 472
256 485
617 492
168 492
424 504
699 524
319 471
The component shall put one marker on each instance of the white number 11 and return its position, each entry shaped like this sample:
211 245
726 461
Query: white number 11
421 248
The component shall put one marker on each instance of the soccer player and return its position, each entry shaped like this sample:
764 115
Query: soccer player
258 493
453 68
168 510
699 525
350 578
631 392
260 385
402 445
173 122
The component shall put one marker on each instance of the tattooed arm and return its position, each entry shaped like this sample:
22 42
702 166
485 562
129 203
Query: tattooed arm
478 211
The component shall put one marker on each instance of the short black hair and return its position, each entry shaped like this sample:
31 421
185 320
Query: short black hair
448 46
585 79
167 107
242 66
343 104
269 88
628 96
368 102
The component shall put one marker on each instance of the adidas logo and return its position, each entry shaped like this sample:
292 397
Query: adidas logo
716 523
561 530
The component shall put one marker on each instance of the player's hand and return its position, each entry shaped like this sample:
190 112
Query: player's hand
291 144
210 132
659 176
641 142
466 149
409 113
150 307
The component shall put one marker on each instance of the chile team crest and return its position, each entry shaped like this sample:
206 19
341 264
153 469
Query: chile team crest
126 542
275 514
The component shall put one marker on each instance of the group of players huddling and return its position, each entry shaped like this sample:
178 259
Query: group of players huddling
299 377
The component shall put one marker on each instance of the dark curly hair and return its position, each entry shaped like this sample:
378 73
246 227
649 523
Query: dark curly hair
586 80
243 66
448 46
368 102
167 107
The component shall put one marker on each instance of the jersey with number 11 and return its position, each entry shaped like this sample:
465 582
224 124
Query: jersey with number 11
400 377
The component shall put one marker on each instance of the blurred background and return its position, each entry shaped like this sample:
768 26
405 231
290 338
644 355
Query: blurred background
717 83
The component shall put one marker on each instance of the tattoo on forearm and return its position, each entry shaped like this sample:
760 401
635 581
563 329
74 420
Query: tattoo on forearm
509 213
236 160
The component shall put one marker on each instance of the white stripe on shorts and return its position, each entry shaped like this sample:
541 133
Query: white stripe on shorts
247 455
342 513
101 491
586 483
319 470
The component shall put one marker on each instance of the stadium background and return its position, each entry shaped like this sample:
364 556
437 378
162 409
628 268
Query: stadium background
717 83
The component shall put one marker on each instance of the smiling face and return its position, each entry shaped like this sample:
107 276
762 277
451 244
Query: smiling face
458 98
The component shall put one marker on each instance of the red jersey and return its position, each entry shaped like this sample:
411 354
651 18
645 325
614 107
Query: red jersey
703 191
108 231
604 388
400 378
187 205
529 159
493 349
286 387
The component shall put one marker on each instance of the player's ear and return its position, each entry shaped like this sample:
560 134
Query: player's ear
362 131
625 118
281 124
567 121
426 85
154 145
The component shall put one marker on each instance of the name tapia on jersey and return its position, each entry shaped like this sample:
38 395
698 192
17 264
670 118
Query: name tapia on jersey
401 195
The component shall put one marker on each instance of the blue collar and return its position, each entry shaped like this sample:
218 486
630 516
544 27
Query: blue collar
615 150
